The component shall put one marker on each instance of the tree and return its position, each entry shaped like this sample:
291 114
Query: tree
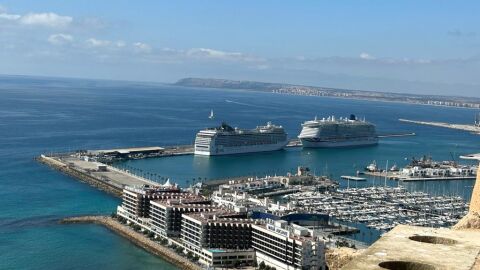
262 266
179 250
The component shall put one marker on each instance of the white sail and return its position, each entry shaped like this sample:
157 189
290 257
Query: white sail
211 116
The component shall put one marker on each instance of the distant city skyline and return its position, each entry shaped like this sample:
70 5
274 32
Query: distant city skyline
423 47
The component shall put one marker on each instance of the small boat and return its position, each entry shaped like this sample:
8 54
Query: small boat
211 116
394 168
372 167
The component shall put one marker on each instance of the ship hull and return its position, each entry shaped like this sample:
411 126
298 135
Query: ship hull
218 150
316 143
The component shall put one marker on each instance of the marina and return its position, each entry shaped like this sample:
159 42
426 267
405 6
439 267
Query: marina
424 169
382 208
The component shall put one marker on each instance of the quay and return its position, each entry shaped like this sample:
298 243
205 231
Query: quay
471 128
353 178
297 143
94 173
137 238
392 135
398 177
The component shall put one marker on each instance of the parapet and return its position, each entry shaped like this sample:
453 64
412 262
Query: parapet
420 248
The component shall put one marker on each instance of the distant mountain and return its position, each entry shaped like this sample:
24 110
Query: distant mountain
229 84
279 88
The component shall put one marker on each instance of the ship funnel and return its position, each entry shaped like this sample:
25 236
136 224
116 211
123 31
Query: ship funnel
353 117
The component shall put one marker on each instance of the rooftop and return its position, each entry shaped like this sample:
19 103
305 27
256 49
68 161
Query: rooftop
126 150
220 216
410 247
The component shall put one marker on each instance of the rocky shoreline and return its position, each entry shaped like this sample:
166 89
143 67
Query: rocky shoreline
136 238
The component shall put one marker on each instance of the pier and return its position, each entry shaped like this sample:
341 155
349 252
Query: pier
353 178
94 173
470 128
398 177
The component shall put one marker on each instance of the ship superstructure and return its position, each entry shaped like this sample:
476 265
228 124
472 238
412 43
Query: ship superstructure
333 132
225 140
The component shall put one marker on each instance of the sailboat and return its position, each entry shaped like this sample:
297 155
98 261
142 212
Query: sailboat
211 116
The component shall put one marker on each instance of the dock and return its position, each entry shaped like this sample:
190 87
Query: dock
353 178
393 135
94 173
297 143
470 128
398 177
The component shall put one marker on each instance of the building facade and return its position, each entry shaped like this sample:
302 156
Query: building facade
219 238
288 247
166 215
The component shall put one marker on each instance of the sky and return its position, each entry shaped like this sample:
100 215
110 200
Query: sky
424 47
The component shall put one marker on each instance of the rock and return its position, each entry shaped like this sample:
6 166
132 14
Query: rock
338 257
469 222
472 219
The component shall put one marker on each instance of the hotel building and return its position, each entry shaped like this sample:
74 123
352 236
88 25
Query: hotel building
288 247
136 200
166 215
219 238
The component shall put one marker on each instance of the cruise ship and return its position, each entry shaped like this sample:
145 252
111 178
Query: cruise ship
342 132
225 140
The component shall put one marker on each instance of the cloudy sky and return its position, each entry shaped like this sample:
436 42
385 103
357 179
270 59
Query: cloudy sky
430 47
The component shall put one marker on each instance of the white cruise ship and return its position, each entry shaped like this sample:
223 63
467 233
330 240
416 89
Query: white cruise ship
332 132
225 140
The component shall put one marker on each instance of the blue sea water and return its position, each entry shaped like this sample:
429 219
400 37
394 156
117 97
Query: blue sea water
40 115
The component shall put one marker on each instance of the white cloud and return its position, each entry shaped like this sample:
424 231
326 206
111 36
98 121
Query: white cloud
204 52
48 19
60 39
93 43
366 56
220 55
140 47
10 17
120 44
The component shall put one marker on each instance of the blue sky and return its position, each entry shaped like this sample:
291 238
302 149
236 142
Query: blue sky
430 47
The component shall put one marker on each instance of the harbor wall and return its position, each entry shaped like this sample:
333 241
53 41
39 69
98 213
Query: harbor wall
137 238
85 178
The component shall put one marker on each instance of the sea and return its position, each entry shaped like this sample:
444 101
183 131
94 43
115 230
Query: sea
43 115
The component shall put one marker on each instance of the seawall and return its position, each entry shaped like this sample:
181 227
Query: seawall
136 238
92 181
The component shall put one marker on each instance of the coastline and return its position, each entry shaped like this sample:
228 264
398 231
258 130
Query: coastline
136 238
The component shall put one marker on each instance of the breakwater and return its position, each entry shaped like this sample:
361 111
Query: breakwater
102 184
136 238
469 128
